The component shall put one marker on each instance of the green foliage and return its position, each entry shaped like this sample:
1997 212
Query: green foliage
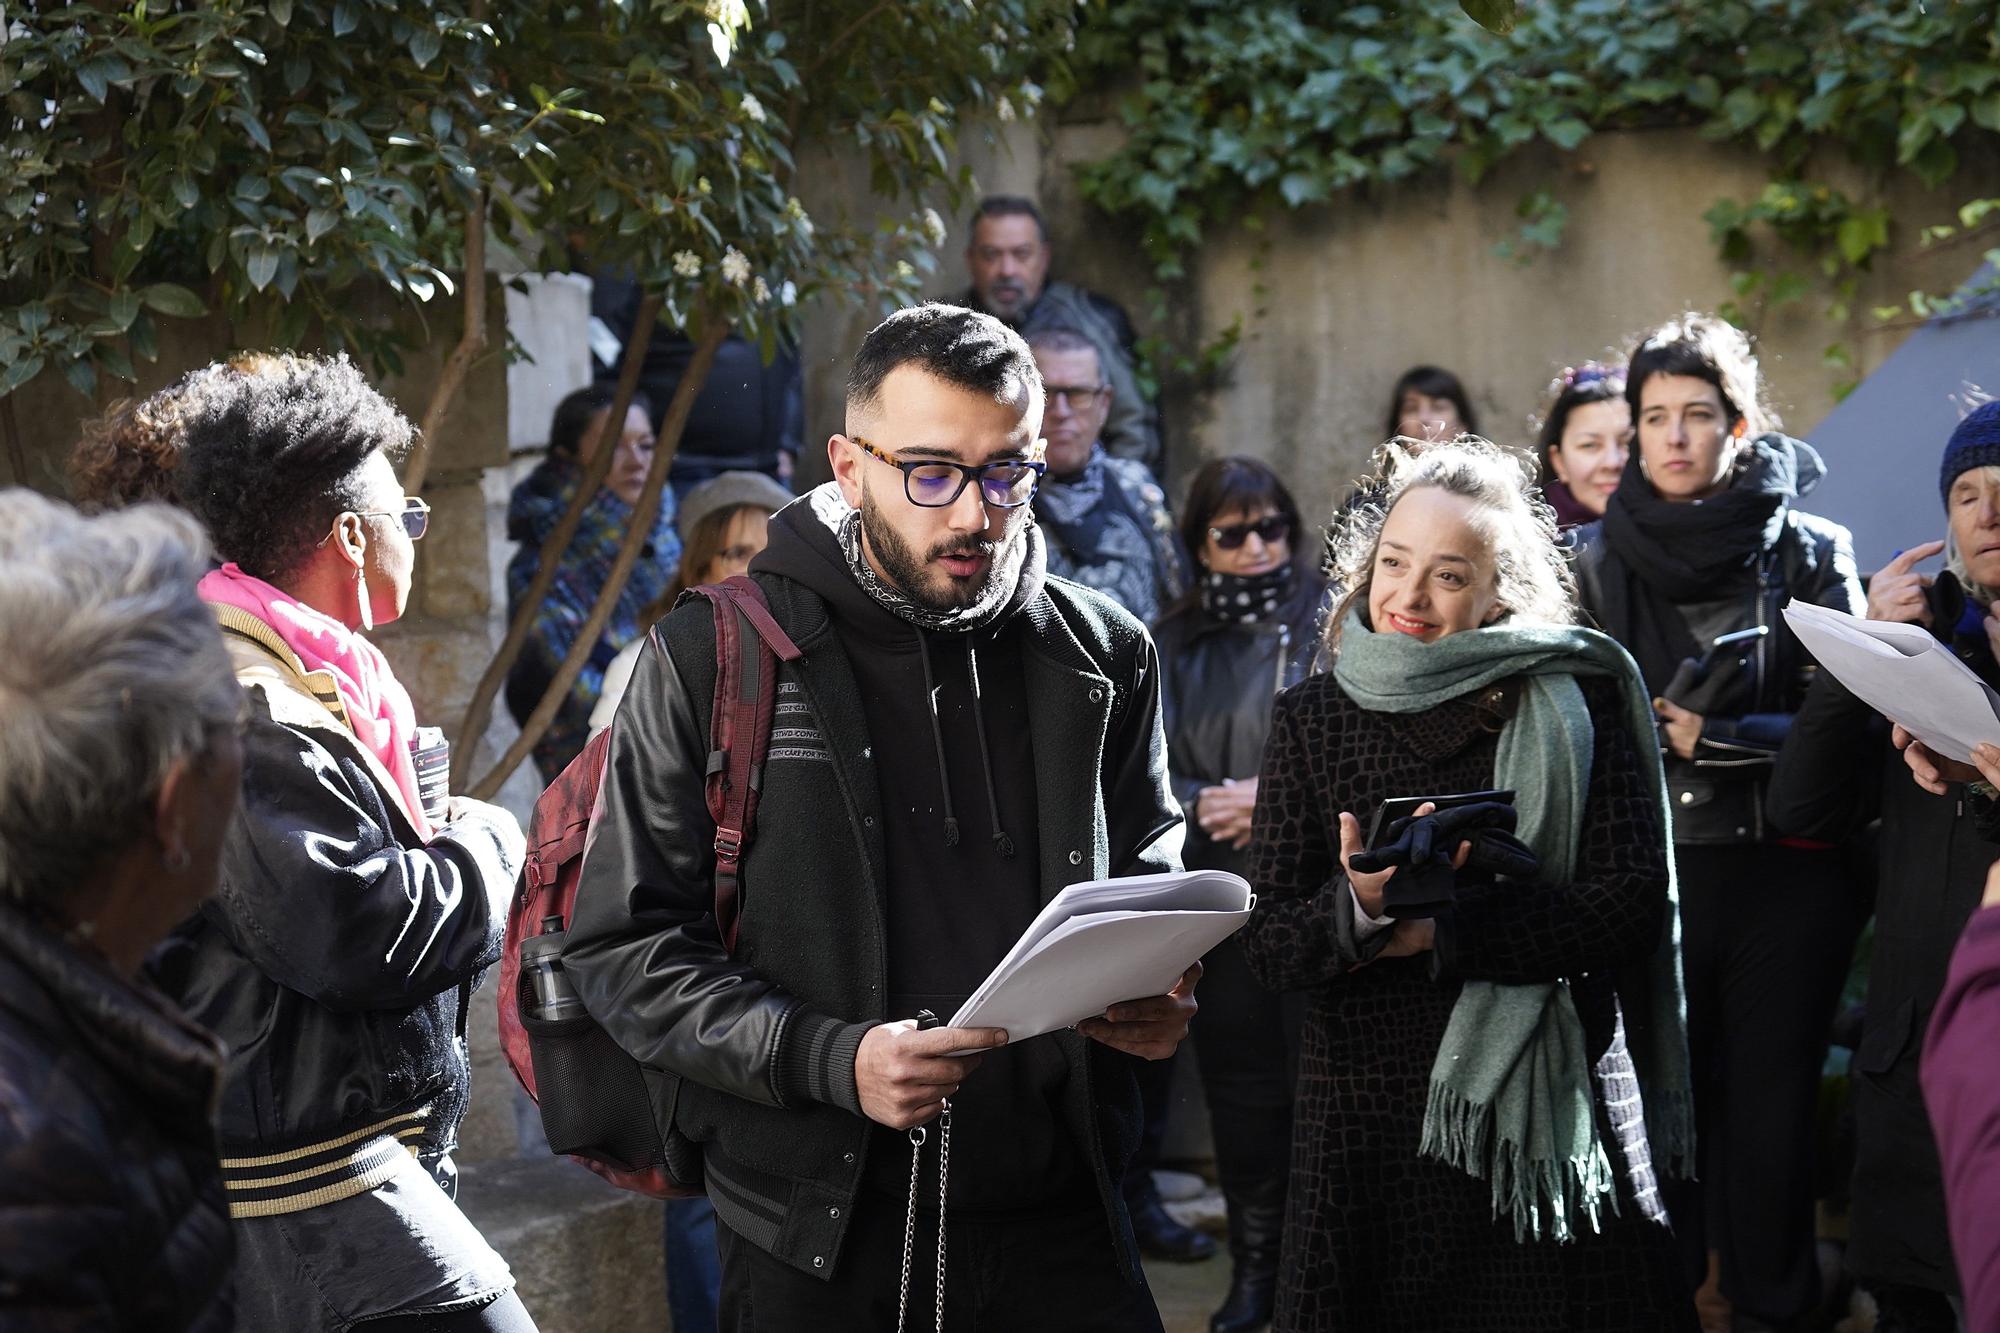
262 158
1233 111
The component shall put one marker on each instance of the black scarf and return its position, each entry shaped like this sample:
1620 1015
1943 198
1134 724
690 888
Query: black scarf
1244 599
1669 553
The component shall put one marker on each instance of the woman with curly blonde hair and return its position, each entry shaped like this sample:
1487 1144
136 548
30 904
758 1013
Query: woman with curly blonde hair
1493 1062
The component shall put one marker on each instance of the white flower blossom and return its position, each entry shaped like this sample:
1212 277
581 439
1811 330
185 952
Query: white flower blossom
731 14
789 292
752 108
760 291
1004 110
904 271
934 226
796 211
702 186
735 267
687 263
720 42
1031 94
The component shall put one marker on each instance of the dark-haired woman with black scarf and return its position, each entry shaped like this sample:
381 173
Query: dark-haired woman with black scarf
1248 628
1703 540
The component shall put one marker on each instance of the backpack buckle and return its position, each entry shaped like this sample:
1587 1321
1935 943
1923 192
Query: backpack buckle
728 844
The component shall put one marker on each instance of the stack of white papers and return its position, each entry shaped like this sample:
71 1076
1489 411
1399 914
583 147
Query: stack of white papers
1104 941
1904 674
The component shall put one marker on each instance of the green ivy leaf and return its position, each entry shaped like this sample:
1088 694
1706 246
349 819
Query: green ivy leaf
425 43
172 299
1566 133
1493 15
82 377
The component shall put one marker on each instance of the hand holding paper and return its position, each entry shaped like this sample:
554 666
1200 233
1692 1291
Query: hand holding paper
1151 1029
1906 675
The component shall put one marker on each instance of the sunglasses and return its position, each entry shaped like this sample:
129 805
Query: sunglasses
415 513
1268 529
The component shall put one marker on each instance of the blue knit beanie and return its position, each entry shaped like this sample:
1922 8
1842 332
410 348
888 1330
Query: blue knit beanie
1976 443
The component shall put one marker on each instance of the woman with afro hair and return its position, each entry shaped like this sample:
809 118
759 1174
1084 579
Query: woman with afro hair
356 904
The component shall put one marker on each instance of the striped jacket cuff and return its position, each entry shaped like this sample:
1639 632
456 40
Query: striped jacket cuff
325 1172
816 1061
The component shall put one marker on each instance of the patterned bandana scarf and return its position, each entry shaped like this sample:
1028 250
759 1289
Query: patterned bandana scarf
1008 563
1245 599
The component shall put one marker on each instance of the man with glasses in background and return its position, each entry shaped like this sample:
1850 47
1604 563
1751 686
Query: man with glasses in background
1008 257
961 738
1105 518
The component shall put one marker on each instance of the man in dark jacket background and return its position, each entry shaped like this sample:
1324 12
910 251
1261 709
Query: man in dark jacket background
961 738
1837 772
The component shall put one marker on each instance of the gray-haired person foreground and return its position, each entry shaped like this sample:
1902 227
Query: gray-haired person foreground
119 768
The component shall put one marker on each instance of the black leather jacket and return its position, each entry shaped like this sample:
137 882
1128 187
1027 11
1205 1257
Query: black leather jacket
1718 796
112 1214
338 951
1217 682
753 1051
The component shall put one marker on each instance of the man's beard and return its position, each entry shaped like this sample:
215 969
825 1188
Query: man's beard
919 579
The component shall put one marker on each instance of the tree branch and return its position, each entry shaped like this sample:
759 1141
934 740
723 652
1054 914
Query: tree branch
451 380
16 452
465 746
714 329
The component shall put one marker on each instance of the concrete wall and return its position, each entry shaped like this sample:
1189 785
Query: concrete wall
1338 300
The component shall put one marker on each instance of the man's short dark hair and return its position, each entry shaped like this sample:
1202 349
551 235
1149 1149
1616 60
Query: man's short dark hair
573 414
1009 206
959 346
272 457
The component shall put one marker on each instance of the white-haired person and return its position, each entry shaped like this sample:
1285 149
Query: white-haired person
1489 1012
119 767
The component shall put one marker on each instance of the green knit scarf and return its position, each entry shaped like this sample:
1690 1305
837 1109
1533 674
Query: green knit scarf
1510 1097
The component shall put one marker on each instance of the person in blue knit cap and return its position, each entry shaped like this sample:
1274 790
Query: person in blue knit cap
1839 770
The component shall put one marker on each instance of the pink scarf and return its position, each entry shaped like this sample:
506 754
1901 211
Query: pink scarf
378 708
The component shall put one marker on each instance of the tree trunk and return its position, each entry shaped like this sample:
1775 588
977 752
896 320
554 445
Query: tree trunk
15 451
465 746
451 380
713 330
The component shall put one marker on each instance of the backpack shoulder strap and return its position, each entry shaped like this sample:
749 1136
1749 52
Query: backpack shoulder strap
749 644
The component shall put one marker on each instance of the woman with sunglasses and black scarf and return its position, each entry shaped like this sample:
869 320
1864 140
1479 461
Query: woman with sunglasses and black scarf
356 903
1245 630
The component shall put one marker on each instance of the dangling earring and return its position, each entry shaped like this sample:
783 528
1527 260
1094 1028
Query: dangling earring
361 596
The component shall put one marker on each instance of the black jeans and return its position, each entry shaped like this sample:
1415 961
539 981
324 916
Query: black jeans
1767 935
1052 1271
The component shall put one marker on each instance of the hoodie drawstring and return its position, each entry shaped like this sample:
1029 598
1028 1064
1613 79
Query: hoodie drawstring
1001 841
937 739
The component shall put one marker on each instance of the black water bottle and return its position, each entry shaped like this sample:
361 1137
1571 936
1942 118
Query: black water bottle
546 995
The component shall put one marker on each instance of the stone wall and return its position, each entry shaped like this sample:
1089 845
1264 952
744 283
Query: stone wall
1338 300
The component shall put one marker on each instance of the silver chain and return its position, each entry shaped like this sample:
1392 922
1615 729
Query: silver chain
918 1137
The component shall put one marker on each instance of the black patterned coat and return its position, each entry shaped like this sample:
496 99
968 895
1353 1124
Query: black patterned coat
1375 1236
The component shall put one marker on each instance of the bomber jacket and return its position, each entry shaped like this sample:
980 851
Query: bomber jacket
337 954
753 1052
1718 796
112 1217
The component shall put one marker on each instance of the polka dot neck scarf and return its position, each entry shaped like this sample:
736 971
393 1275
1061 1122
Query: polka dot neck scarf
1245 599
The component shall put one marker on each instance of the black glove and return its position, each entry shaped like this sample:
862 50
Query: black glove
1422 847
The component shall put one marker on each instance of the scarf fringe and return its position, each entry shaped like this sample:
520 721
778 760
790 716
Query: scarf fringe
1670 1131
1459 1133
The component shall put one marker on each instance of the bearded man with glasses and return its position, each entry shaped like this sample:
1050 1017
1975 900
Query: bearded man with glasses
1104 517
960 739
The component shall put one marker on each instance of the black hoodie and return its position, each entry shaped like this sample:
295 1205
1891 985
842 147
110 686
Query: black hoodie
960 831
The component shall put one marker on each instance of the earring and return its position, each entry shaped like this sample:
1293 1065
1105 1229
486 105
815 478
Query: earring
177 861
361 596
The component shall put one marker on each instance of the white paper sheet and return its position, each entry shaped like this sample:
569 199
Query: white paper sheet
1103 941
1903 673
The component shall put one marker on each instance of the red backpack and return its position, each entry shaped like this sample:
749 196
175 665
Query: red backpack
595 1099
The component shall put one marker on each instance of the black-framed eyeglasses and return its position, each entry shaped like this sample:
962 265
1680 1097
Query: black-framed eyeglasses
933 483
1268 529
415 513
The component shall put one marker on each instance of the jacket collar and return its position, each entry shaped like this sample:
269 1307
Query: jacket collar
173 1066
